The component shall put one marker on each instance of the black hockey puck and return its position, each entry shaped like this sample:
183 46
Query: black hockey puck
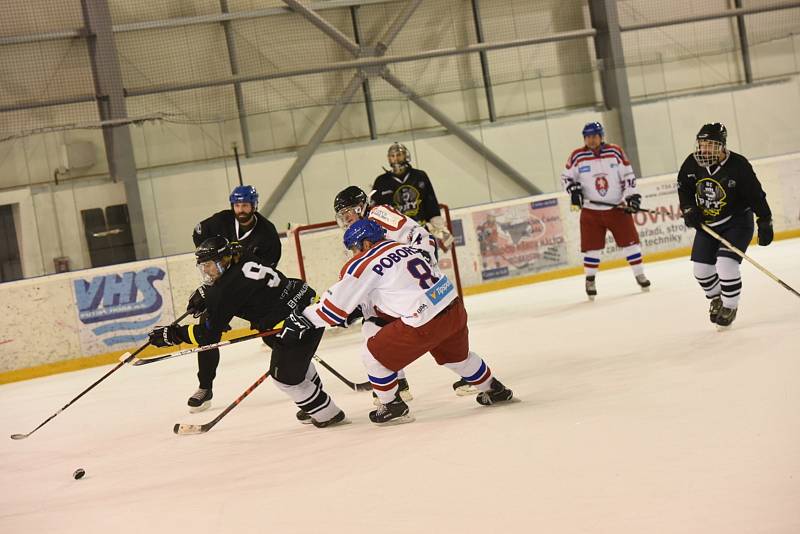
78 474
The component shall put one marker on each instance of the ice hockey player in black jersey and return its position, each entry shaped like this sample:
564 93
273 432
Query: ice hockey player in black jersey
239 284
719 188
243 224
410 192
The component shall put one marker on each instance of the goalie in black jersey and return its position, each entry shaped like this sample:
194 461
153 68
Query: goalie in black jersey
718 187
237 283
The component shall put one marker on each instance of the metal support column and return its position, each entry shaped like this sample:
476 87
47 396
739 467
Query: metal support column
613 75
108 84
462 134
373 130
305 153
332 32
487 80
237 87
748 68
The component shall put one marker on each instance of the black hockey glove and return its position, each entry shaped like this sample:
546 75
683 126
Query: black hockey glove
634 202
765 233
576 194
165 336
295 327
354 316
692 217
197 302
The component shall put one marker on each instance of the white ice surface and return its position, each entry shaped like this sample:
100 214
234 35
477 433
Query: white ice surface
636 417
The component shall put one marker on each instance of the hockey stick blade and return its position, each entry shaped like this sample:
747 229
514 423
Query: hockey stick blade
363 386
189 429
20 436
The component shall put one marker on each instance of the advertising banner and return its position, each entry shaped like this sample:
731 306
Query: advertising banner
116 309
520 239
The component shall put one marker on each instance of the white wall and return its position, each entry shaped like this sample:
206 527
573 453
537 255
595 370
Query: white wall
759 118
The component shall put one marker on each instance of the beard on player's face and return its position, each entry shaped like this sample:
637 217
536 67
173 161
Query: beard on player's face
243 212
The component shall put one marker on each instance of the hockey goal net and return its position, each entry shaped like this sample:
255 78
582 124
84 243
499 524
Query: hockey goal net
321 254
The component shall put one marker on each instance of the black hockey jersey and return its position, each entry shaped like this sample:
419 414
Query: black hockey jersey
254 292
723 190
412 195
261 240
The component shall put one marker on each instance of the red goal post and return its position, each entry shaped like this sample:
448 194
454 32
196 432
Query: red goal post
321 255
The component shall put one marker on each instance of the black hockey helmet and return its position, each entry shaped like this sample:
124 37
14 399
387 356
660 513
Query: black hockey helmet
714 131
709 146
213 257
213 249
351 199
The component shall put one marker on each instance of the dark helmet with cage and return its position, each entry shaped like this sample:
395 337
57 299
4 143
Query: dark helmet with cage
709 146
351 204
213 258
399 158
244 194
360 231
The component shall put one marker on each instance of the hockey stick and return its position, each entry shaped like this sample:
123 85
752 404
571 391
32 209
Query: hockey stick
192 350
361 386
185 429
125 358
626 208
758 266
238 165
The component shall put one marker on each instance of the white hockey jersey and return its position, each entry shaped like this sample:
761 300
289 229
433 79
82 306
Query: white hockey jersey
605 175
391 279
403 229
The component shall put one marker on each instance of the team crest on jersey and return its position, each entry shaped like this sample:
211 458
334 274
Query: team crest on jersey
601 184
407 199
710 196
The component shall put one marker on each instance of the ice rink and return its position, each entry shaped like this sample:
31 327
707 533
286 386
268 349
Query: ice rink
636 416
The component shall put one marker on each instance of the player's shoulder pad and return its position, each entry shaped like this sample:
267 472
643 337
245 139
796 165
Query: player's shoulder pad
616 150
575 154
387 217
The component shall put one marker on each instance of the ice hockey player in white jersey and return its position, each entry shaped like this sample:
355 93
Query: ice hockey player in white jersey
424 313
601 183
351 205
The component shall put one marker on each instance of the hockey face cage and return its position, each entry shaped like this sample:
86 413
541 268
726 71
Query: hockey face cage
399 158
708 151
211 270
346 216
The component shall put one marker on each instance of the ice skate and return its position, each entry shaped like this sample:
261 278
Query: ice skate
200 401
464 388
725 318
498 393
403 389
303 417
714 308
591 288
394 413
643 282
337 419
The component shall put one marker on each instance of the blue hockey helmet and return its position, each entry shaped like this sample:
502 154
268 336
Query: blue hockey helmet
593 128
245 193
362 230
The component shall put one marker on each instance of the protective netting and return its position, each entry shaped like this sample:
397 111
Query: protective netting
179 60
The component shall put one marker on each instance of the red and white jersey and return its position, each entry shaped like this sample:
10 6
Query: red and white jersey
605 175
391 279
403 229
